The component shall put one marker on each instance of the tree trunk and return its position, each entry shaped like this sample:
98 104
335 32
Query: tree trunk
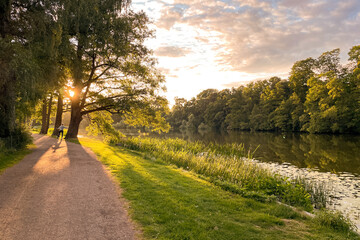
5 17
7 108
49 113
44 117
58 118
75 118
8 82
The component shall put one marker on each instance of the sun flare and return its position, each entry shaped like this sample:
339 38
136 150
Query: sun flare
71 93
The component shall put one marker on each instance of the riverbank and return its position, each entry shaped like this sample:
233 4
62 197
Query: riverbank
173 203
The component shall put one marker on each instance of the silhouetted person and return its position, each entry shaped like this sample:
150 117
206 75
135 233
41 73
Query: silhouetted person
61 130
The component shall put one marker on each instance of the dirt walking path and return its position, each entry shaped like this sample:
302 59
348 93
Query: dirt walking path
60 191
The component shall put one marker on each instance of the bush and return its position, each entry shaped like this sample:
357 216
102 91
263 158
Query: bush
2 145
17 140
334 220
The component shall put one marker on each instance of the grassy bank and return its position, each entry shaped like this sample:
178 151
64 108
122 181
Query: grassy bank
171 203
10 157
229 167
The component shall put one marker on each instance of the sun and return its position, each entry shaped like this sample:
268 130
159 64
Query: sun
71 93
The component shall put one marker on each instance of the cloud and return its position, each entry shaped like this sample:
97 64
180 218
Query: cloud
268 35
235 84
171 15
172 51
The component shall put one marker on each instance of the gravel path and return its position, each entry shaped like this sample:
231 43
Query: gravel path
61 191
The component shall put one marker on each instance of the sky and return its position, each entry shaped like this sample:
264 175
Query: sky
219 44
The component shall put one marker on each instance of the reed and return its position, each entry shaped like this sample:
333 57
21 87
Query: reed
230 166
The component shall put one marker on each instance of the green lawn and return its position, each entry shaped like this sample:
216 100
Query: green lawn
171 203
9 158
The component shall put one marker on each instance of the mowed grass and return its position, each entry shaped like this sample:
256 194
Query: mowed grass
171 203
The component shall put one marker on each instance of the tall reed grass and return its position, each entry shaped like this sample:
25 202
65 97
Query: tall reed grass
229 166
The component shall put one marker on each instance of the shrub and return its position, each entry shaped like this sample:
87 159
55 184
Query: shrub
335 220
17 140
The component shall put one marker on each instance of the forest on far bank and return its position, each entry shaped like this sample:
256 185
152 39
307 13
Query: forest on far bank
320 96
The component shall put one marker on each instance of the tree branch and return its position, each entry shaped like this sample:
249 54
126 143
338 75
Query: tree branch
103 108
108 98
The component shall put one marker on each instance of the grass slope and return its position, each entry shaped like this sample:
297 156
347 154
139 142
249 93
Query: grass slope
10 158
171 203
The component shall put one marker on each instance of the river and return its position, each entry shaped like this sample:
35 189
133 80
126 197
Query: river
333 160
325 153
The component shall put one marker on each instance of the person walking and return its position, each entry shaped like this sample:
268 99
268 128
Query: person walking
61 130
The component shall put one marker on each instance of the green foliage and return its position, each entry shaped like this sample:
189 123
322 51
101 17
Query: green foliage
320 96
203 127
150 115
334 220
101 123
9 157
18 139
28 62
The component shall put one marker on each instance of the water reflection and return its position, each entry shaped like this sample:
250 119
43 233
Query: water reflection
325 153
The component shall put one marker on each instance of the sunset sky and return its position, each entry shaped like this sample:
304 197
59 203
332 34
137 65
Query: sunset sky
204 44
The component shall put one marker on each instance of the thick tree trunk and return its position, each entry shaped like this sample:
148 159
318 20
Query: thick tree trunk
75 118
11 95
58 118
7 82
5 17
43 117
76 115
7 108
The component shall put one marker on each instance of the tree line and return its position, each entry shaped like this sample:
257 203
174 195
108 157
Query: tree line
320 96
84 56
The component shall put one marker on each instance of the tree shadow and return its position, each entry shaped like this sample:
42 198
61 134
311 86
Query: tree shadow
21 174
57 145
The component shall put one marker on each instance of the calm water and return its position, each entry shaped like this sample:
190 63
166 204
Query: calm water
324 153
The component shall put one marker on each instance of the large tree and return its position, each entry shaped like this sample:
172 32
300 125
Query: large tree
27 37
111 69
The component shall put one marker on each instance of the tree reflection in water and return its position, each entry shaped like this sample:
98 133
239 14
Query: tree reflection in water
326 153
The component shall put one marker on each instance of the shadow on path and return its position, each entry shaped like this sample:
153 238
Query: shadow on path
60 191
57 145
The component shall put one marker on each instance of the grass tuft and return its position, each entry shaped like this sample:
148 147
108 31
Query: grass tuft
335 220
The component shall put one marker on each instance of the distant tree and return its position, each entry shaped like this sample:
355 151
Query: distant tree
300 73
178 113
183 125
320 96
328 62
191 123
217 110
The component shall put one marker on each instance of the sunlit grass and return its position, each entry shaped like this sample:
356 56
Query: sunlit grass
10 158
50 131
172 203
226 165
